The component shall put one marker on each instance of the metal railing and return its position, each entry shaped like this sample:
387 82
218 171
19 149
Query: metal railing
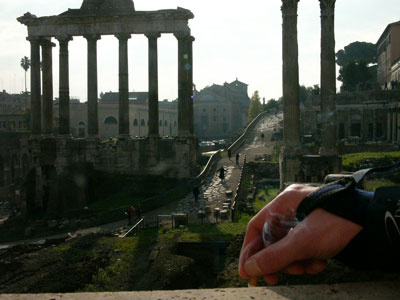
210 165
239 142
238 189
135 229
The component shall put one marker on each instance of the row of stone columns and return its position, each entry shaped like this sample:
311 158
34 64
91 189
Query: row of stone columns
42 111
393 126
290 78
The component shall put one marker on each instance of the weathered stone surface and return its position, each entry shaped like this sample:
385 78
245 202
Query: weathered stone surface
290 79
328 78
138 22
365 291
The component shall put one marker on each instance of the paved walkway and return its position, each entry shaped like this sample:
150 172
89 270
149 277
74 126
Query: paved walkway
212 192
257 146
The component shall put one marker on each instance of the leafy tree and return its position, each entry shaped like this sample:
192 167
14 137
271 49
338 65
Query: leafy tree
303 93
255 106
357 51
357 65
356 74
271 104
25 64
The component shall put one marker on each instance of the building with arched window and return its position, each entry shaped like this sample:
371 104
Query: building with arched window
108 116
220 110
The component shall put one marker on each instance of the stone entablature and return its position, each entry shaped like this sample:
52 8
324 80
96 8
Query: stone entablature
164 21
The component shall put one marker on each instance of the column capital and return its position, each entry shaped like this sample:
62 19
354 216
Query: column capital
92 37
181 35
327 8
46 42
123 36
33 39
153 35
63 39
289 7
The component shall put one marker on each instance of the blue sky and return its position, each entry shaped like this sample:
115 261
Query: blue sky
233 39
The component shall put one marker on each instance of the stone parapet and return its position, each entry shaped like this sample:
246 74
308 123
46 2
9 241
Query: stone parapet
363 290
307 168
141 156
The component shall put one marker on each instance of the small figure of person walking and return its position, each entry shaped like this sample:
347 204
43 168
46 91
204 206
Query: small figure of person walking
222 173
229 154
237 158
196 192
262 136
130 212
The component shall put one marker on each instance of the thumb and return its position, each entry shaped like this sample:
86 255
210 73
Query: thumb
272 258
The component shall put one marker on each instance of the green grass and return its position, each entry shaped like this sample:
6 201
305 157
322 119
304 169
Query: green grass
276 153
122 267
263 199
352 160
372 185
224 231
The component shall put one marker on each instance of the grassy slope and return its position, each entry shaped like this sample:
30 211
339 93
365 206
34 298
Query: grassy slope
354 159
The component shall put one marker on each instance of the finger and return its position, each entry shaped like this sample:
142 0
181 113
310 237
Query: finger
315 266
312 266
271 279
252 247
296 268
271 259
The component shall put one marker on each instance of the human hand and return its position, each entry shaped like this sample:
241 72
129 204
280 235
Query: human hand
306 247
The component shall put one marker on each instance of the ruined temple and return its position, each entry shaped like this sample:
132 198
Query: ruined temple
52 153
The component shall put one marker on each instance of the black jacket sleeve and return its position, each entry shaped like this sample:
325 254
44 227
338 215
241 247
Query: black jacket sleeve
377 246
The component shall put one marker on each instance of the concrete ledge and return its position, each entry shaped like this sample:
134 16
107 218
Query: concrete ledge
348 291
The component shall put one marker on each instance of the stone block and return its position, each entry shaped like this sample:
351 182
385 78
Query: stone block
29 231
224 214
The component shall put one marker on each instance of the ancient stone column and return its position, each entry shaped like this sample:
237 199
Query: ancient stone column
398 126
328 78
47 65
189 69
389 126
290 80
64 84
185 84
93 120
123 85
36 107
374 124
394 126
153 85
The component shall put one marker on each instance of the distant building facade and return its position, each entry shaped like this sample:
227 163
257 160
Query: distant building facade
108 116
370 116
388 47
12 108
220 110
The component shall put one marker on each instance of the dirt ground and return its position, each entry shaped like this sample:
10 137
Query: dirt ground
106 263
